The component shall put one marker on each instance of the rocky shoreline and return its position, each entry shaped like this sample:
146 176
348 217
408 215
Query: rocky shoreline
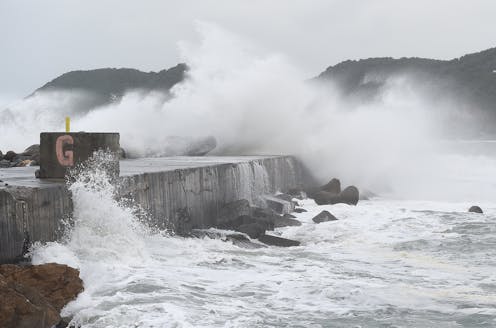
34 295
29 157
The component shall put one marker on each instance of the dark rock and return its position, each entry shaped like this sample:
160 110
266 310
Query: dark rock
333 187
267 215
300 210
58 284
296 193
278 241
122 153
9 156
4 163
32 150
475 209
279 205
288 216
1 155
254 230
324 216
285 197
240 240
325 198
232 211
286 221
350 195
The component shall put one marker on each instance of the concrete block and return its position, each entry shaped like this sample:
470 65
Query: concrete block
60 151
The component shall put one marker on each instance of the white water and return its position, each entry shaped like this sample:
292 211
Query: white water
385 263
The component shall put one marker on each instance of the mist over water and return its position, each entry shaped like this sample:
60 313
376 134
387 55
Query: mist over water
255 102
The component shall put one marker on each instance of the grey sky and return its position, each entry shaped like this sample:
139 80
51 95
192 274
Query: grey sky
41 39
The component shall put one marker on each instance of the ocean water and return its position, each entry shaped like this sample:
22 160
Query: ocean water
388 262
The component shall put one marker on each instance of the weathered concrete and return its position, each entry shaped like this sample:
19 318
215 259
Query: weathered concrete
178 192
60 151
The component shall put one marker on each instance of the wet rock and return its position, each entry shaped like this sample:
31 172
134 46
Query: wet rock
278 241
324 216
24 307
286 221
475 209
285 197
296 193
281 206
254 230
325 198
57 283
266 216
300 210
333 187
350 195
232 211
9 156
241 241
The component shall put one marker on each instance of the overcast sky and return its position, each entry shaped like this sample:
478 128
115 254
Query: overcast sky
41 39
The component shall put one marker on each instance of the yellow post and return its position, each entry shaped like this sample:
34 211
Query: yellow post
67 124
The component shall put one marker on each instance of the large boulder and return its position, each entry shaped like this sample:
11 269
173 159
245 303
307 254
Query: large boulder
57 283
350 195
325 198
9 156
279 205
24 307
278 241
333 187
33 151
475 209
297 193
286 220
254 230
231 211
324 216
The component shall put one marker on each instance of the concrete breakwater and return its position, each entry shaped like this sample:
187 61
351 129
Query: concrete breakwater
178 192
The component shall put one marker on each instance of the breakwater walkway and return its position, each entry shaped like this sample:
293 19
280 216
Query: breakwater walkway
179 192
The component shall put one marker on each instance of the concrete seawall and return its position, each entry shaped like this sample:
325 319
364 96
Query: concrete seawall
178 192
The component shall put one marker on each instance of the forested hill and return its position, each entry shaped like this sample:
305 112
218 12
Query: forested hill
110 84
471 78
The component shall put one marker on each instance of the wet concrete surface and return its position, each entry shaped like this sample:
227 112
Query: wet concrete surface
25 176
